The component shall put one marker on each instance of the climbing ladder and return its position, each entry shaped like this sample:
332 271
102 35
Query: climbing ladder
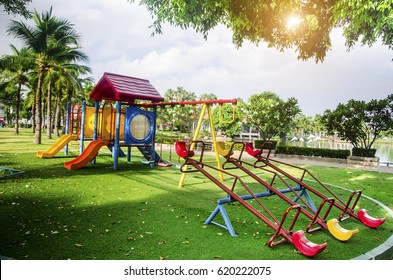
297 238
152 157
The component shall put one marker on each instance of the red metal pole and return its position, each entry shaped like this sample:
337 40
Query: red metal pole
182 103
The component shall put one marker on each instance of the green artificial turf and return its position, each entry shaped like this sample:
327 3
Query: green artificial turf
49 212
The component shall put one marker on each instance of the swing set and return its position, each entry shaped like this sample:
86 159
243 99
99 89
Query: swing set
206 112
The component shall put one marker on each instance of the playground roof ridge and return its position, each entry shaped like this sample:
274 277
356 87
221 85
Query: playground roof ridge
117 87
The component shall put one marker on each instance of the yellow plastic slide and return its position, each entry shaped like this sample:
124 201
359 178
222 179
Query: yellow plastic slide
87 156
57 146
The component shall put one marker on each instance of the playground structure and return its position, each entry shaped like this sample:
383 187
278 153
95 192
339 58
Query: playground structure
300 193
133 124
127 126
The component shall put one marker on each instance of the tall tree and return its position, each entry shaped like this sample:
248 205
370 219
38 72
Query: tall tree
19 64
272 21
269 114
52 41
180 116
61 72
227 118
302 125
360 122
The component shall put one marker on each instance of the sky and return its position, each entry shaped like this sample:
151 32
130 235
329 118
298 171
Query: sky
117 39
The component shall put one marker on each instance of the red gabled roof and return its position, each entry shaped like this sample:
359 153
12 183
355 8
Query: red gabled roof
124 88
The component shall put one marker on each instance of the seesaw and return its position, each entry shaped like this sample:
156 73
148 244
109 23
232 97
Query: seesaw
298 238
309 209
347 208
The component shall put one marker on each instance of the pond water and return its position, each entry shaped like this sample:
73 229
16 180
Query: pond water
384 150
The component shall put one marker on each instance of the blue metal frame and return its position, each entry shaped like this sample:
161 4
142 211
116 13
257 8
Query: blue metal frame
129 139
67 123
221 207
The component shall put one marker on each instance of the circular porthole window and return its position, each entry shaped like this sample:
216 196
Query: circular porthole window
140 127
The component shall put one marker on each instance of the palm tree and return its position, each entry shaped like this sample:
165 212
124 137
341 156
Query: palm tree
65 76
18 65
52 41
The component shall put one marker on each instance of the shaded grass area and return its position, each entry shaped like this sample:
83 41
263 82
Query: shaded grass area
49 212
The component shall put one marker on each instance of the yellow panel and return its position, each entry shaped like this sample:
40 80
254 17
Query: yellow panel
89 122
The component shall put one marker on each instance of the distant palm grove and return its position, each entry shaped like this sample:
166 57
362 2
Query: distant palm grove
48 68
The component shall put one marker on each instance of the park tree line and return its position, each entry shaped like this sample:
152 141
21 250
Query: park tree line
47 71
357 122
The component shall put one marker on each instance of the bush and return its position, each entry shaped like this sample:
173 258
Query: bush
236 147
258 144
313 152
361 152
167 139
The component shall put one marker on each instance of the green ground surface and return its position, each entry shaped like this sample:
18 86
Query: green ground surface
49 212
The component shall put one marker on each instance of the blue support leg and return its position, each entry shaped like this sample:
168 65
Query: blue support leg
228 225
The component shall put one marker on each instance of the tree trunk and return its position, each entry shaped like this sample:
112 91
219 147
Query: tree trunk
48 113
16 129
33 118
57 113
38 98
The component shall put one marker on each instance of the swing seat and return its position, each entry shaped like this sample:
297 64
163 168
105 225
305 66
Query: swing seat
368 220
339 232
222 151
181 150
251 150
305 246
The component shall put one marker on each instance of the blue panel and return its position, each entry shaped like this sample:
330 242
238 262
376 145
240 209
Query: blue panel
131 113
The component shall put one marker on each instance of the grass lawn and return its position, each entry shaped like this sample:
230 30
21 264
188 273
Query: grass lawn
49 212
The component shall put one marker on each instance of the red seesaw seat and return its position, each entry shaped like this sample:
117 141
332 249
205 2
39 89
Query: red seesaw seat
251 150
305 246
182 151
368 220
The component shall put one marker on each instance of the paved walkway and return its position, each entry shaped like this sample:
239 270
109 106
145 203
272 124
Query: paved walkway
322 162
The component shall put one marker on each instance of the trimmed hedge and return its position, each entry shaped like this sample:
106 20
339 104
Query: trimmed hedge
237 147
361 152
258 144
313 152
167 139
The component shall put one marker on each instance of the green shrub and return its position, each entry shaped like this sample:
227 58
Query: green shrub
313 152
258 144
166 139
361 152
236 147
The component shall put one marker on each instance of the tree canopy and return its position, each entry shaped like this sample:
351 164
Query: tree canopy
54 46
269 114
16 7
360 122
299 24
